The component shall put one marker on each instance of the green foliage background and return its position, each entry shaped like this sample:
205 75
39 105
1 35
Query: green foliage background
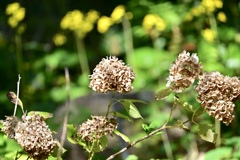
42 68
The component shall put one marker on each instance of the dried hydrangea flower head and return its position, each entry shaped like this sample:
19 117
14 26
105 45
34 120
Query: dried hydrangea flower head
216 94
112 74
184 71
9 125
32 133
96 128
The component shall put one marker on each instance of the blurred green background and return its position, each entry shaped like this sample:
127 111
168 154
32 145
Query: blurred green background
38 39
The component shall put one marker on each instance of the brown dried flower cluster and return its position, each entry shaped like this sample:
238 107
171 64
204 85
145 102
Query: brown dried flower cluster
96 128
32 133
112 74
216 93
184 71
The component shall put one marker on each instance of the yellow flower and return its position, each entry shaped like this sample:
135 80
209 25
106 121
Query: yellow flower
151 20
196 11
118 13
79 23
59 39
221 17
11 8
92 16
72 20
19 14
16 12
12 22
212 5
104 23
209 35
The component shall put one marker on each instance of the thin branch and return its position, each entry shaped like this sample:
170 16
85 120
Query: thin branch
143 138
64 129
16 104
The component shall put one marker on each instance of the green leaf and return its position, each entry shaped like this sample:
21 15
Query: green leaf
54 154
219 153
131 109
45 115
163 93
117 114
198 111
155 125
71 133
132 157
181 125
145 128
151 127
206 133
100 144
123 136
133 100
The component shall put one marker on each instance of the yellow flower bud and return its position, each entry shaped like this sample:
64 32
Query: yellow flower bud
118 13
209 35
221 17
104 23
11 8
59 39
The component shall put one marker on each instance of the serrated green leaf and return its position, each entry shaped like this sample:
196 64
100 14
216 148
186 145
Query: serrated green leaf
206 133
100 144
117 114
163 94
45 115
123 136
71 133
131 109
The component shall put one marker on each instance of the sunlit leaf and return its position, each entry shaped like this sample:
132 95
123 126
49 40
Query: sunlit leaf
219 153
132 157
131 109
163 94
123 136
145 128
45 115
71 133
206 133
152 127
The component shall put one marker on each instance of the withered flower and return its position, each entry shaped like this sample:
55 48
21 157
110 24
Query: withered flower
96 128
32 133
184 71
216 93
112 74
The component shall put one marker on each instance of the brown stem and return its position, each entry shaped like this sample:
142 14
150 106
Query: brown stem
143 138
64 129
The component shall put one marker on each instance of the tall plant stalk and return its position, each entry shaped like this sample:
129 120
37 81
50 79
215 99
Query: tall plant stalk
128 42
82 55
